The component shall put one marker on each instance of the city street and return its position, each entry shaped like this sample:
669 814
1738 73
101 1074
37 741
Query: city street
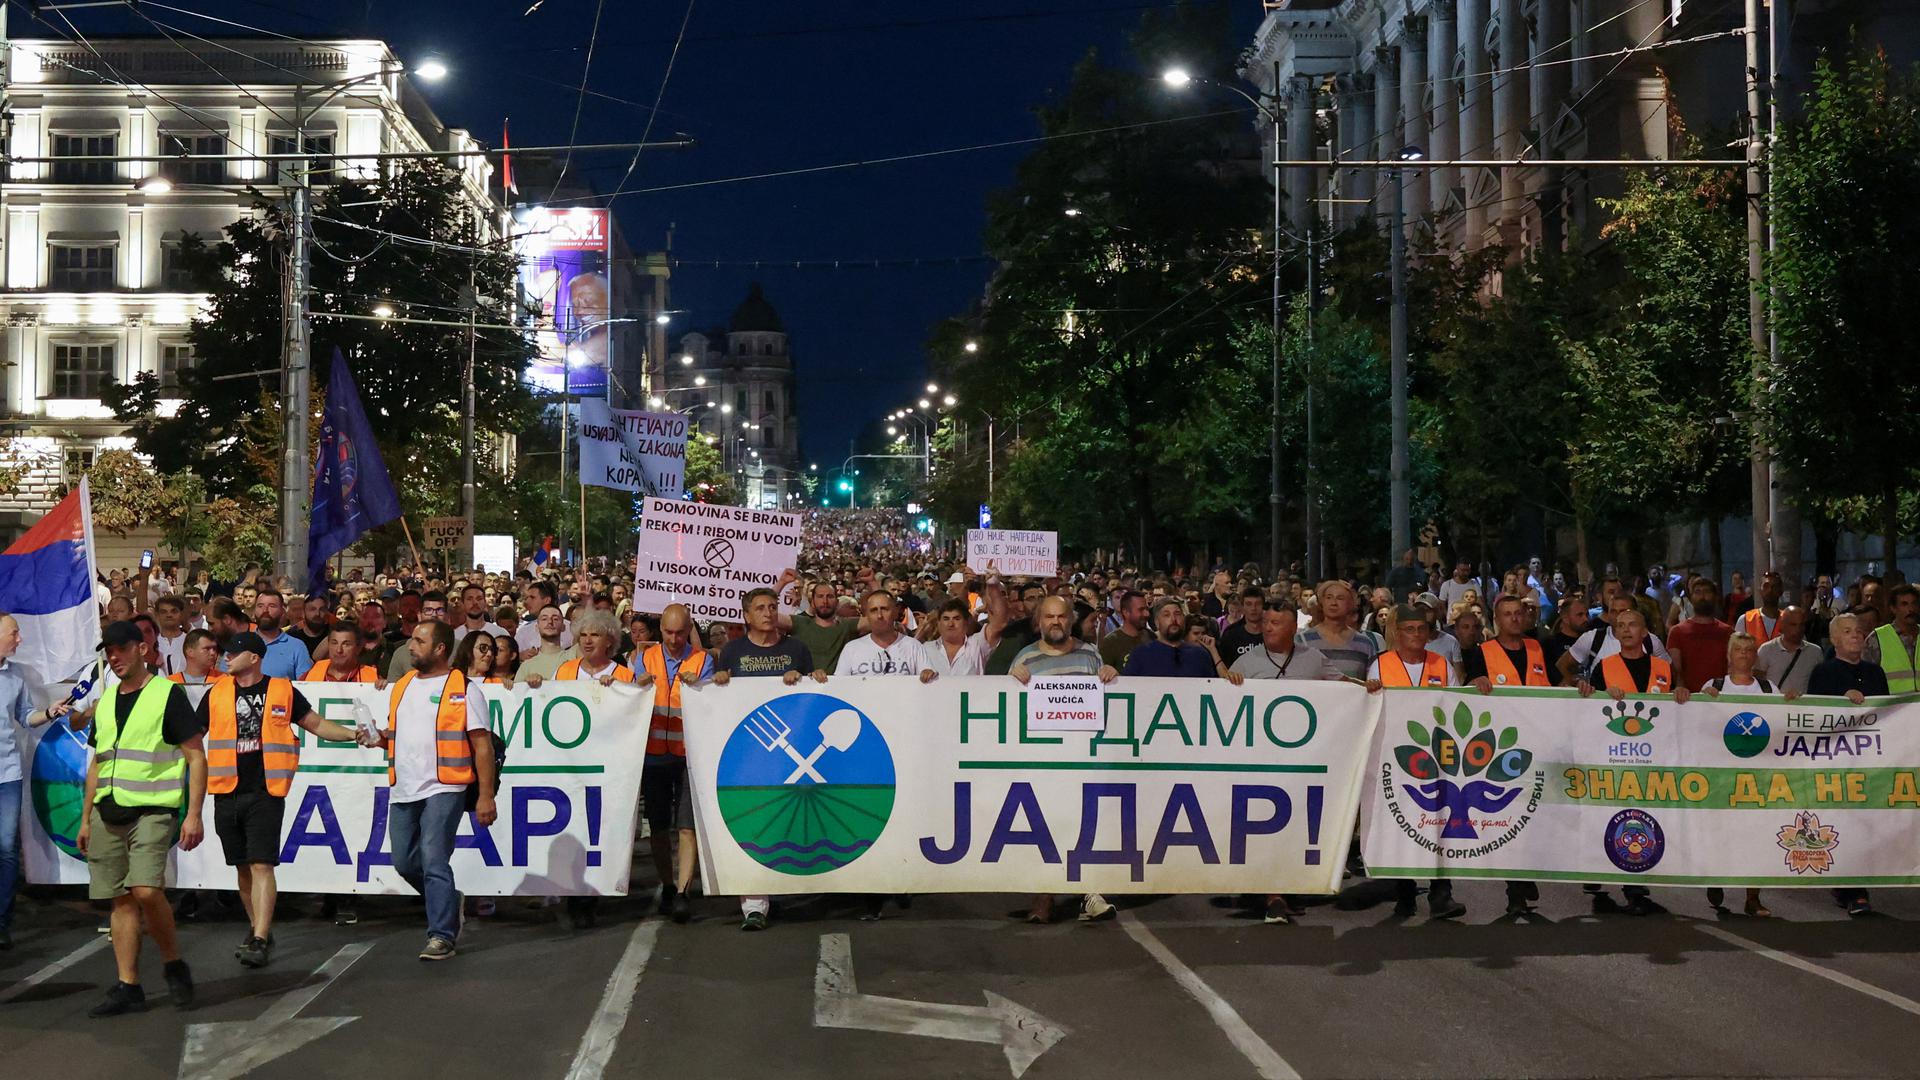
1177 987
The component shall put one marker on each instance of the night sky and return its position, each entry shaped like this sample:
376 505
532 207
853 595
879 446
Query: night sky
762 87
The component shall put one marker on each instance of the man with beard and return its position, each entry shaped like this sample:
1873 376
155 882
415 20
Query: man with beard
1130 608
1700 642
1170 655
474 610
316 620
287 657
821 629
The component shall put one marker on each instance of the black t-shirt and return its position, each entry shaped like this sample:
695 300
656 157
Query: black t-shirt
179 724
1473 662
1836 677
298 632
742 658
249 709
1016 637
1235 641
1640 671
1213 607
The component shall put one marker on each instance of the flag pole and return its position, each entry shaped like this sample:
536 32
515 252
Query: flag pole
418 566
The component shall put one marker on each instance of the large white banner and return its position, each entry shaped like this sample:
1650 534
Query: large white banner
567 801
633 451
708 556
1545 785
884 785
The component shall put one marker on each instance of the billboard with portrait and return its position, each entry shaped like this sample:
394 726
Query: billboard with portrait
565 255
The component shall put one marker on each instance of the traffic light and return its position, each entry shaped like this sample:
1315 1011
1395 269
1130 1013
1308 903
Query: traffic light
845 485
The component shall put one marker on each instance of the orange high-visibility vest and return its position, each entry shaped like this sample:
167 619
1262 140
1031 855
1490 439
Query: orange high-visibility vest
1500 668
663 735
279 747
318 673
1660 676
1755 623
571 670
181 678
1432 673
453 754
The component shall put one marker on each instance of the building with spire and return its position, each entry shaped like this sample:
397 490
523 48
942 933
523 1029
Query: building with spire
737 382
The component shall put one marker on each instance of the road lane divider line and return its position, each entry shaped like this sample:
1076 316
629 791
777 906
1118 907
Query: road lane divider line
1905 1004
1265 1059
93 945
610 1017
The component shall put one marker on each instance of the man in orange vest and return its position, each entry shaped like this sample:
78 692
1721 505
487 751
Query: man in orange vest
252 754
1763 623
1411 664
1632 670
438 746
669 664
342 663
1513 658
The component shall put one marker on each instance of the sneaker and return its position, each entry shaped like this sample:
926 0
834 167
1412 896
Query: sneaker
1095 908
753 920
1405 909
1716 898
1604 904
1279 913
1641 906
179 983
1859 906
345 915
121 998
485 908
255 953
106 925
682 907
1517 906
875 909
187 907
438 948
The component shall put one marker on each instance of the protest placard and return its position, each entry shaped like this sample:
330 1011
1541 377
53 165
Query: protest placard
633 451
707 556
1014 552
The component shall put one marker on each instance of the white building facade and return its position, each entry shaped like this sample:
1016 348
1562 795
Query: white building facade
738 384
94 292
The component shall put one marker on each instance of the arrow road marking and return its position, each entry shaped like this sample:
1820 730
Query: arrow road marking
1021 1033
226 1051
95 944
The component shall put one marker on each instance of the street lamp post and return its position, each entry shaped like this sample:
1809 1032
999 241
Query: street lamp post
1400 511
1177 78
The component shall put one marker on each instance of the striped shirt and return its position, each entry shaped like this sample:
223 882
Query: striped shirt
1351 659
1084 659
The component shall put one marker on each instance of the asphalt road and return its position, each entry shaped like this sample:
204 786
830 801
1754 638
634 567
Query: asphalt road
1177 987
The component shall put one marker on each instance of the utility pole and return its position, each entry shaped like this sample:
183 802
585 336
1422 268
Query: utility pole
1312 494
296 400
467 449
1760 458
1273 271
1401 500
1784 516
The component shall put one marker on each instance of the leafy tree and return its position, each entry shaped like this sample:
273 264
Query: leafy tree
127 493
1844 407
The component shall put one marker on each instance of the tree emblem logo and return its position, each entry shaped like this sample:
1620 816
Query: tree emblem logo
805 784
1629 723
1459 771
1809 845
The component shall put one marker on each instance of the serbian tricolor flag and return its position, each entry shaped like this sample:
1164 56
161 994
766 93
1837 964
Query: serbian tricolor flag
46 584
544 552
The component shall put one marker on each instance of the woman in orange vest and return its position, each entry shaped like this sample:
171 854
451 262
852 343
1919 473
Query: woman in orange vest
1412 664
252 755
343 659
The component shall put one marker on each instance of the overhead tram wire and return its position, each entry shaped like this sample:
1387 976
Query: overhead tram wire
658 97
580 100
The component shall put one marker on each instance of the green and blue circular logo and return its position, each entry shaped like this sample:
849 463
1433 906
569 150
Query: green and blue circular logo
1746 734
58 782
805 784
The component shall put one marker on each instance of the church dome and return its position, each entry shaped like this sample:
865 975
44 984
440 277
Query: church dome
755 315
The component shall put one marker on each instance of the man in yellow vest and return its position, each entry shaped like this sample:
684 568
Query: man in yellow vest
671 663
148 765
1893 645
252 754
1411 664
438 746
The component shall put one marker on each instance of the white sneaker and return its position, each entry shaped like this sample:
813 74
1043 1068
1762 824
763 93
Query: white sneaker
1096 909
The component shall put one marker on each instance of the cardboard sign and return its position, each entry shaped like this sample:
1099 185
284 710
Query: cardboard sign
708 556
1014 552
1066 703
446 533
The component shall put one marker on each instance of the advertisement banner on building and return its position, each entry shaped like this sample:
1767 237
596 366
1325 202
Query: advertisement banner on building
629 450
568 795
887 785
707 556
1544 785
565 257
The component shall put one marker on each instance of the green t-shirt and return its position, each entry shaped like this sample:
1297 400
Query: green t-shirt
1117 646
824 642
1000 660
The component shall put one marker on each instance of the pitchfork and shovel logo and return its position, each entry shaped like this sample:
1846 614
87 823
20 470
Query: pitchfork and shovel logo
805 784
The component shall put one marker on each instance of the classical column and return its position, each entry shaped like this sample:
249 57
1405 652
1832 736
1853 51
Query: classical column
1444 92
1552 75
1355 118
1476 113
1386 103
1302 182
1413 111
1510 109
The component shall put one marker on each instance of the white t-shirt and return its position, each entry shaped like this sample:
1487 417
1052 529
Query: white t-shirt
527 636
862 656
416 744
970 660
460 631
1582 650
1726 685
173 652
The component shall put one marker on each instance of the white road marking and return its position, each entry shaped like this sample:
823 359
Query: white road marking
1265 1059
1022 1034
1904 1003
610 1018
93 945
226 1051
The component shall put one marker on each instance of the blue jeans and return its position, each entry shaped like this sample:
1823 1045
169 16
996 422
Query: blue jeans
422 836
9 848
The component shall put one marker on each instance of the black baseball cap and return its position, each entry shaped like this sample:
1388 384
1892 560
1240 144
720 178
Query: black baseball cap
244 641
121 633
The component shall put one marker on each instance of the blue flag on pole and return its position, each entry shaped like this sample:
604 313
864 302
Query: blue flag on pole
351 492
